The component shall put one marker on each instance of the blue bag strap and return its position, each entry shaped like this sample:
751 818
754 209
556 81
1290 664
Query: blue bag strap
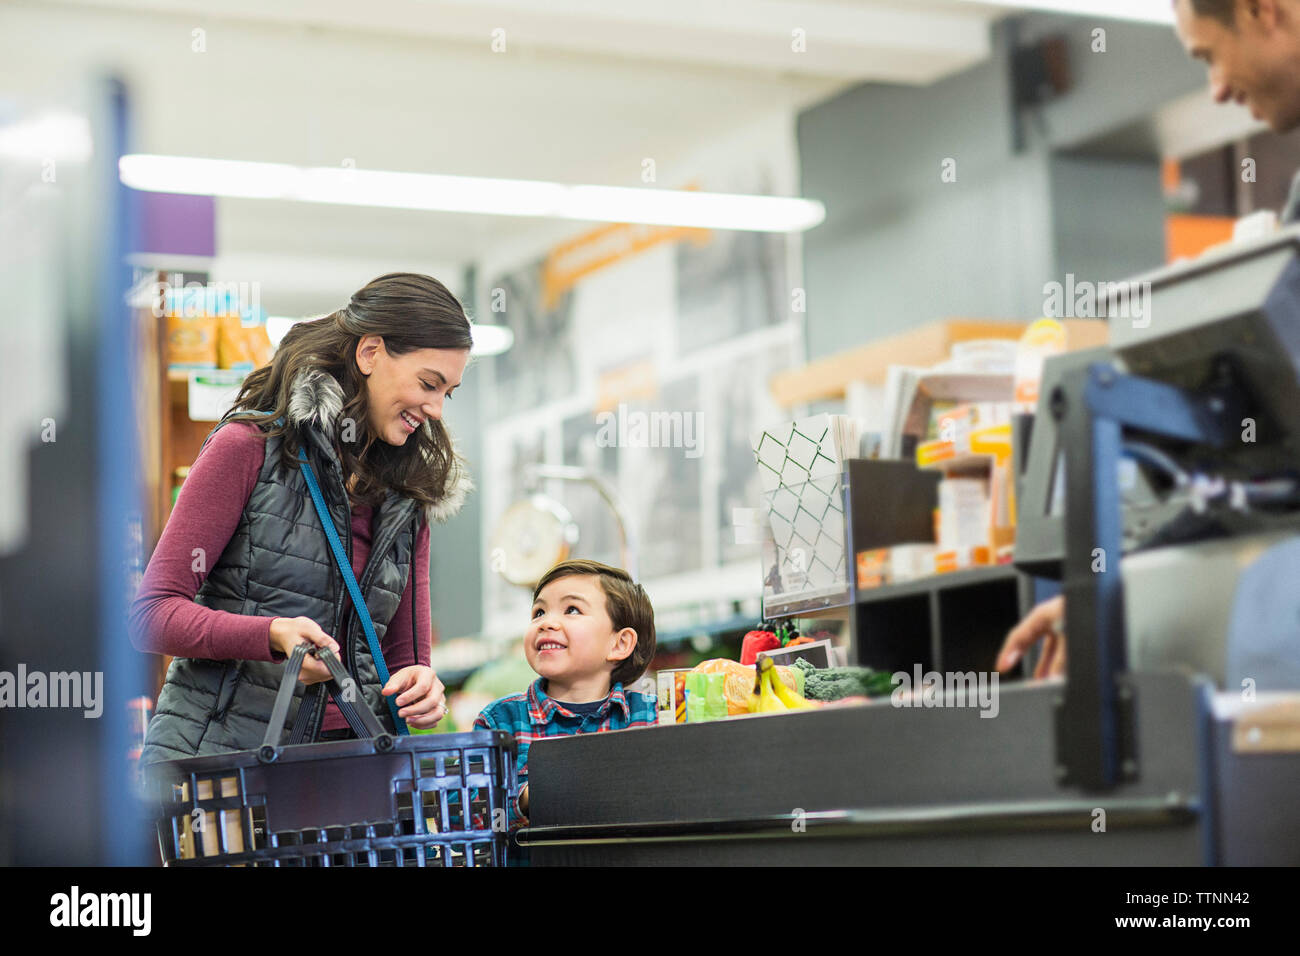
350 580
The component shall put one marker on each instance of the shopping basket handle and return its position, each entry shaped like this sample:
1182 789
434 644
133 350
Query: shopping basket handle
360 719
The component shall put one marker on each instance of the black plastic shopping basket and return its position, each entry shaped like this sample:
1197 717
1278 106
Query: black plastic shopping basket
379 800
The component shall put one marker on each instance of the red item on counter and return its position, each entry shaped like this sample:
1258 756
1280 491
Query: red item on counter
755 643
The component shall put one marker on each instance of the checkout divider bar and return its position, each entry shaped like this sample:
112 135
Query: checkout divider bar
1171 810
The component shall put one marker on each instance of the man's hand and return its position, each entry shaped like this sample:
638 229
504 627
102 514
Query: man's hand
420 701
1045 621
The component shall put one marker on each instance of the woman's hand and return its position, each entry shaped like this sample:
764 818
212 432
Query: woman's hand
288 632
420 701
1043 622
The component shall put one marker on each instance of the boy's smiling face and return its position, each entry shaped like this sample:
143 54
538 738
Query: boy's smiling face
571 640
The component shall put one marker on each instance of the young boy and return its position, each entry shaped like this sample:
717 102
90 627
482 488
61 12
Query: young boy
592 632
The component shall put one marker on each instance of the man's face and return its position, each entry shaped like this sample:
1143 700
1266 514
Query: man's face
1255 62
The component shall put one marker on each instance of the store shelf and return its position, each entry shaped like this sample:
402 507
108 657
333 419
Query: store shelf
827 379
971 577
965 461
953 621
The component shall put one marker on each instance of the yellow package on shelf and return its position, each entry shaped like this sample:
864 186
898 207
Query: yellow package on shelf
191 341
934 454
968 449
994 441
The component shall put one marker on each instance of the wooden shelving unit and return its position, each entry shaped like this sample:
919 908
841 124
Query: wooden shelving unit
169 439
829 378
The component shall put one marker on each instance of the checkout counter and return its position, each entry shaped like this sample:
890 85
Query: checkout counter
1174 738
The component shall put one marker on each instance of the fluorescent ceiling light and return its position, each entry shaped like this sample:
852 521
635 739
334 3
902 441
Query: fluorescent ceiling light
1146 11
490 339
468 194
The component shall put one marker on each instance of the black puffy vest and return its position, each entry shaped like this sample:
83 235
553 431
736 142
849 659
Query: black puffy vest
278 563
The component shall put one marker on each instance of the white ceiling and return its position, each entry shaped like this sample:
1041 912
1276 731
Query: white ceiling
584 90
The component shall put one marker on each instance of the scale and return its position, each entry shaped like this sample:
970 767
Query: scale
538 532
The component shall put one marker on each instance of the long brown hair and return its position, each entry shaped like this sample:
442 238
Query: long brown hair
411 312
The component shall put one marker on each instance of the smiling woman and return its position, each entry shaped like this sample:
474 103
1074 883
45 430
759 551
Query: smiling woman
396 351
360 394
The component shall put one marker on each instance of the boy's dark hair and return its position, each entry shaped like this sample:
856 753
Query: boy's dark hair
628 606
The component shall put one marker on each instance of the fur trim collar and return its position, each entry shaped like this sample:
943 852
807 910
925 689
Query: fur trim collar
316 399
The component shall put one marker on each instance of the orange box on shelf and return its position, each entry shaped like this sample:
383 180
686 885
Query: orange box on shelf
932 453
991 443
961 559
873 567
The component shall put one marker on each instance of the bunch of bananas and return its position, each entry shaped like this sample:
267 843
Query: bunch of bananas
771 695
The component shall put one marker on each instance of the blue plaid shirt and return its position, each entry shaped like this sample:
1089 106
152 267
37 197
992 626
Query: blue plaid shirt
532 715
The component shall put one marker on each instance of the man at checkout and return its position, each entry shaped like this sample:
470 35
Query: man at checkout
1251 49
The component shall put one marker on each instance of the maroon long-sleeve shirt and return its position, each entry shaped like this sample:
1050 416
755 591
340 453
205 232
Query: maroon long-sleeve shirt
166 620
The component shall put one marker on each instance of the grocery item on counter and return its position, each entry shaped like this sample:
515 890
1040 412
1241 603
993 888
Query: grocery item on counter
755 642
763 699
672 695
768 686
738 685
835 683
696 693
715 705
789 634
705 697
